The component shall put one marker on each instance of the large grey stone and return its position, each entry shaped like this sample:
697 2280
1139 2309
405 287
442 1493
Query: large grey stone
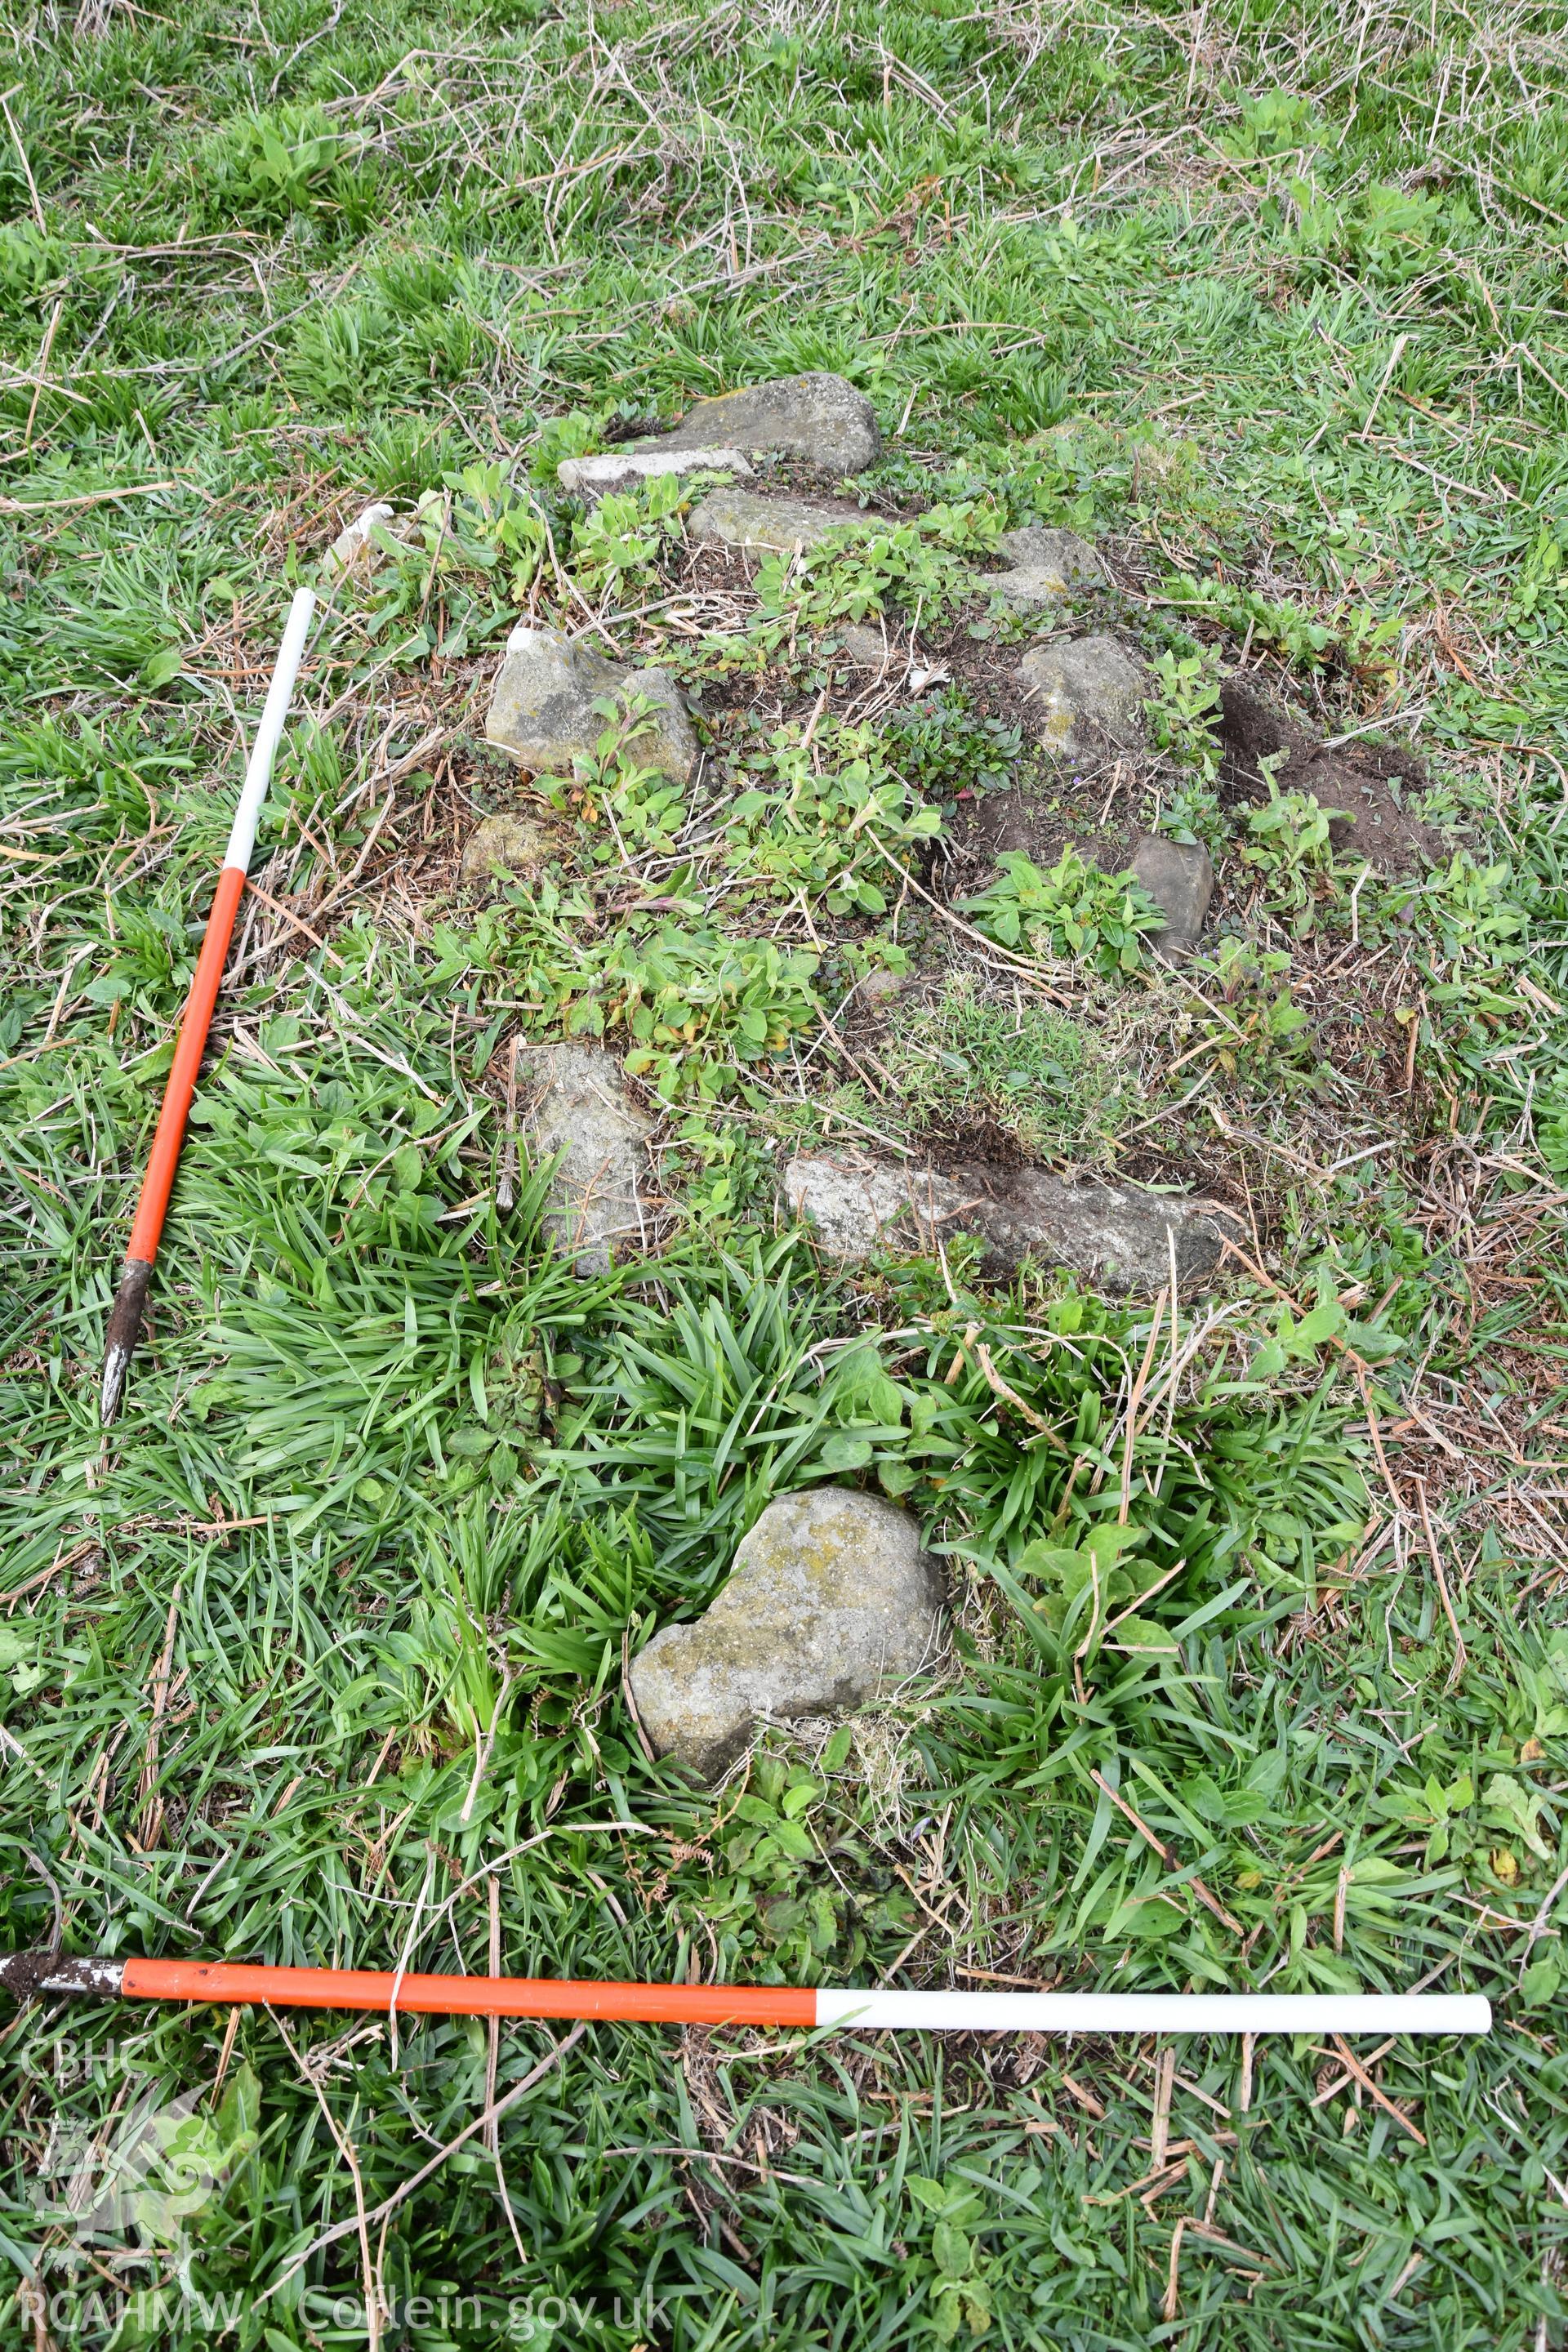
1086 697
541 712
819 419
581 1109
769 526
620 469
830 1600
1045 567
1117 1236
1179 877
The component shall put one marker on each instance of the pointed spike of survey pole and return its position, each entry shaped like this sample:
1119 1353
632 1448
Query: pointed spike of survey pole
25 1975
125 1321
125 1327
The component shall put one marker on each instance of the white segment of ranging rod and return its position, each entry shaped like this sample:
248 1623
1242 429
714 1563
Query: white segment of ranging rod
1157 2012
264 751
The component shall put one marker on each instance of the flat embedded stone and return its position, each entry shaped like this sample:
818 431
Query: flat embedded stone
1117 1236
817 418
583 1109
764 525
830 1601
1179 876
1044 568
619 469
506 843
1086 697
542 711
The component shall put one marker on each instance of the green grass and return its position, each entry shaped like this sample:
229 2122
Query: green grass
328 1640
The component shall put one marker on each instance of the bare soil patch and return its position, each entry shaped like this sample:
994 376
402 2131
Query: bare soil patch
1359 779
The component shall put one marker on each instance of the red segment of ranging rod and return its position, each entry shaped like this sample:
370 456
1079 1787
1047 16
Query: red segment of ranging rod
447 1996
125 1319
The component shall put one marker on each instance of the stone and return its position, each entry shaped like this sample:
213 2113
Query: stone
880 988
620 469
361 546
1086 697
1045 566
584 1110
829 1602
767 526
354 548
868 648
1179 876
541 712
820 420
507 842
1116 1235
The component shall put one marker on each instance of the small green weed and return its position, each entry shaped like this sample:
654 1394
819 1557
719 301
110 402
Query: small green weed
1259 1017
946 749
825 819
1286 844
694 1004
1073 913
624 809
873 567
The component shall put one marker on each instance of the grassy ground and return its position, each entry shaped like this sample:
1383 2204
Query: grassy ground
322 1657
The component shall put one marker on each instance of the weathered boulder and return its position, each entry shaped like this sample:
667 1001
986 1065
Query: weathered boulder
620 469
1045 567
1116 1235
1179 876
830 1600
583 1109
541 712
509 842
1086 697
768 526
820 420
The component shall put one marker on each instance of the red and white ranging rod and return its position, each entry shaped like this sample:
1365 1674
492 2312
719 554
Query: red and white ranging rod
778 2007
125 1319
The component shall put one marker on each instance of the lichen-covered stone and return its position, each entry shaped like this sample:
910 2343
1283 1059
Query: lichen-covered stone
766 526
830 1600
1044 568
1116 1235
620 469
820 420
542 711
1085 698
1179 876
582 1108
509 842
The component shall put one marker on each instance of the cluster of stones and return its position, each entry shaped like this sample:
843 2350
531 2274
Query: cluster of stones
830 1598
1085 695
